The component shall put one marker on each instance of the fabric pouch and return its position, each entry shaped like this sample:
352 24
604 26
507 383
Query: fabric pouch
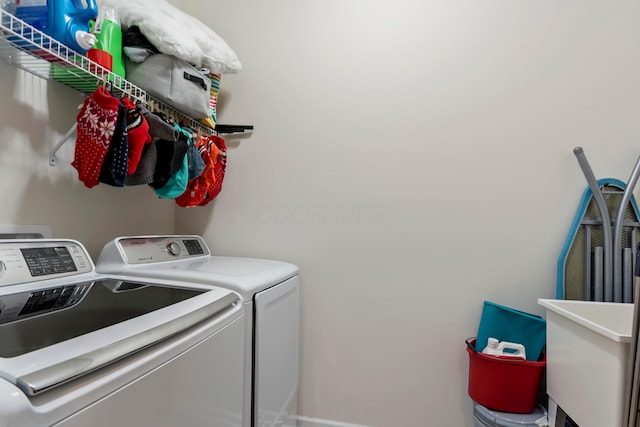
174 82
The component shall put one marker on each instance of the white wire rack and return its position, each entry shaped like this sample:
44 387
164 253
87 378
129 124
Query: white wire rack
34 51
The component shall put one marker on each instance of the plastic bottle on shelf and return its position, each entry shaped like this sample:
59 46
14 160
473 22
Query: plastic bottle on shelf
497 348
108 48
69 22
64 20
34 13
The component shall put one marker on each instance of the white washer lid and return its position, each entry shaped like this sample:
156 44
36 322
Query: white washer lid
246 276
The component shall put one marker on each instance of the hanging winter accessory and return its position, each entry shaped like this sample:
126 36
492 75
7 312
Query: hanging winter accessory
114 167
219 169
198 186
95 125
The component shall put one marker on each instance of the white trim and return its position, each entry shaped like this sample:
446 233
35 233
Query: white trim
319 422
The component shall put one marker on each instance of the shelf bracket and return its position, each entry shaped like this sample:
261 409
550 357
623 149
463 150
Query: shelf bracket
65 138
233 129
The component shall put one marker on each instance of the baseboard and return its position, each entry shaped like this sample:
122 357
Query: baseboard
319 422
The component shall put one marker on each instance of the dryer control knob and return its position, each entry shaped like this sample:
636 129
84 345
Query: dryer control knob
173 248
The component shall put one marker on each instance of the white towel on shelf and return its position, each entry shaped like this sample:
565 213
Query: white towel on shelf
177 33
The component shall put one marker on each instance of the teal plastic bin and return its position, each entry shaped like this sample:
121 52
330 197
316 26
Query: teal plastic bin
508 324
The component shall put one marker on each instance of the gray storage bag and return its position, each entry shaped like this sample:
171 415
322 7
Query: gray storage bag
174 82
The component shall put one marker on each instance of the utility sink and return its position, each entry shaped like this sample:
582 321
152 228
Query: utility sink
587 351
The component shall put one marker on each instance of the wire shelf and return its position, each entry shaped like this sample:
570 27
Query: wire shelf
35 52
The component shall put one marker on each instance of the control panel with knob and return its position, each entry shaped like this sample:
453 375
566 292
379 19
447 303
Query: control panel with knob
152 249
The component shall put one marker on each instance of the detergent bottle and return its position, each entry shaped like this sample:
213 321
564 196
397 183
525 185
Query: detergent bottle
69 21
34 13
504 349
64 20
108 49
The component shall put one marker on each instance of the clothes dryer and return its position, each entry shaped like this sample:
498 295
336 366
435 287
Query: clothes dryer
270 291
85 349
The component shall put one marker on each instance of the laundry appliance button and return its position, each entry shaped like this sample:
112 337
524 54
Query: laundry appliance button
173 248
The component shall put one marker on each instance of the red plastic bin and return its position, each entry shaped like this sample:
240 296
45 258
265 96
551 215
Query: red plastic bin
504 384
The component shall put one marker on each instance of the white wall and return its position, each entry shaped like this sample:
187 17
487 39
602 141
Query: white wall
34 114
414 158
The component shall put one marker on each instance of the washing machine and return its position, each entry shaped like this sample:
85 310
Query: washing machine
270 293
79 348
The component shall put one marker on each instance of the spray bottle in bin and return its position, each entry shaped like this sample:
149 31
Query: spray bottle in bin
505 349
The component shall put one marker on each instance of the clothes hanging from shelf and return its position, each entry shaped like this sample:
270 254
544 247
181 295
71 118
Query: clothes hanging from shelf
179 170
114 166
137 134
95 126
198 186
143 175
165 138
196 163
176 161
216 144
